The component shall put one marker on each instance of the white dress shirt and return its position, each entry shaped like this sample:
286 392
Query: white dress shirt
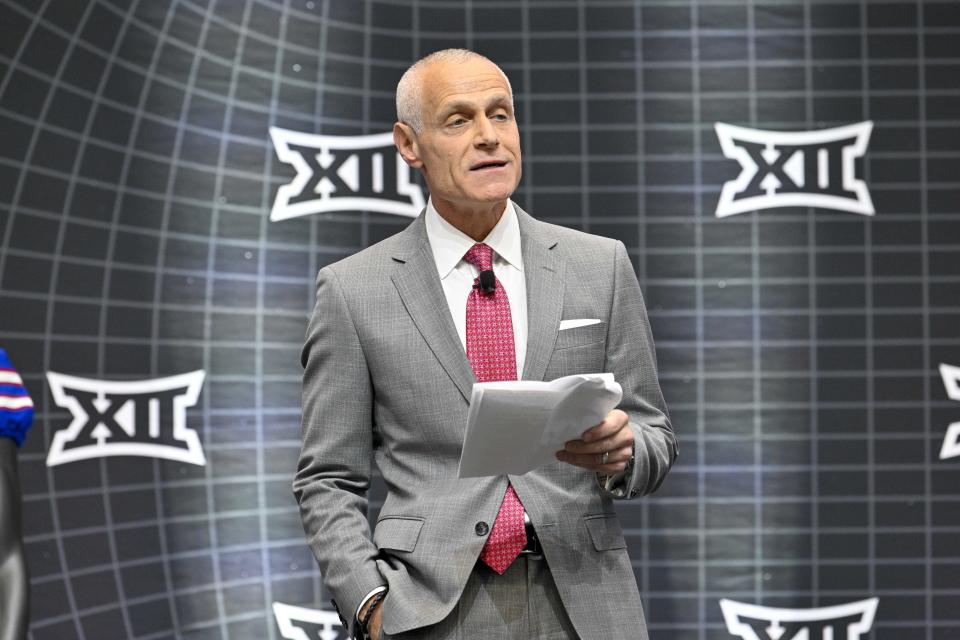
457 276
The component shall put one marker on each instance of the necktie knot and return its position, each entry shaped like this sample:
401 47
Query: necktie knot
481 256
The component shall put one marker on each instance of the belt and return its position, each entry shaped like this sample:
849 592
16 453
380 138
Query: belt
532 547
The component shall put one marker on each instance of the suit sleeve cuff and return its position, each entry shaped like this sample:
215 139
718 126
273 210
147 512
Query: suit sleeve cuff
350 595
366 599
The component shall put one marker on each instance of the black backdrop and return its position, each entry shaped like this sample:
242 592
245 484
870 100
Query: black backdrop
800 342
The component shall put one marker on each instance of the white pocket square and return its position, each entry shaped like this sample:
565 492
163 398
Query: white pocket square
580 322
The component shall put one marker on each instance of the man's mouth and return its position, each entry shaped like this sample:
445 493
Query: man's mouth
489 164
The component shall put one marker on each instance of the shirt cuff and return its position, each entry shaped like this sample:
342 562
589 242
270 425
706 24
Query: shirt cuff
366 599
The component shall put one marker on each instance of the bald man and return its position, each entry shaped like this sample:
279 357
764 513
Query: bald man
400 333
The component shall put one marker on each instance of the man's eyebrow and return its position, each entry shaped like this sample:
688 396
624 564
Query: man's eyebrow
462 106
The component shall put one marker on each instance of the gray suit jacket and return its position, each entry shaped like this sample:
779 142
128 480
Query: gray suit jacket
386 379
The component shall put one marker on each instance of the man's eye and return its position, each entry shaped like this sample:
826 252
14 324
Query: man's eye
456 122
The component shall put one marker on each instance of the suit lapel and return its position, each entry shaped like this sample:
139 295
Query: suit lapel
543 272
419 286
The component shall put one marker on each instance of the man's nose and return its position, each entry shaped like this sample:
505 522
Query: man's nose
486 133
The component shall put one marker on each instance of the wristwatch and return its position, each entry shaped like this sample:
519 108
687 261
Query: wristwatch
628 471
617 483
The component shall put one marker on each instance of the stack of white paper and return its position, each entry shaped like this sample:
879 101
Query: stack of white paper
514 427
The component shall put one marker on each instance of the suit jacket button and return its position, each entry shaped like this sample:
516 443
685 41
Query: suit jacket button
481 528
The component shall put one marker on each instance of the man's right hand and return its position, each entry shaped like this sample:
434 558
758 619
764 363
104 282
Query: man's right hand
375 622
373 625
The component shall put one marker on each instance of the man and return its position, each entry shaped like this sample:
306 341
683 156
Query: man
14 587
16 416
400 333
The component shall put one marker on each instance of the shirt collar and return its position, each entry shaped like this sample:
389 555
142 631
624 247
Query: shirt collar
449 243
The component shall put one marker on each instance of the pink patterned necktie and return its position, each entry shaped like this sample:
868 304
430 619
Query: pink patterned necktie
491 352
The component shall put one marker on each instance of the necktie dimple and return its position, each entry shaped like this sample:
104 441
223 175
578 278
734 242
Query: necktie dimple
492 355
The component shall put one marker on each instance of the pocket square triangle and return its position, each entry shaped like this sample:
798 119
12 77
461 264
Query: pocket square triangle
580 322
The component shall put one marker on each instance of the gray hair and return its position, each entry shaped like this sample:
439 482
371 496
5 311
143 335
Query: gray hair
410 92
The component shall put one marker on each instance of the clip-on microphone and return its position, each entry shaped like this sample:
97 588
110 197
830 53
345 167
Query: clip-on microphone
488 282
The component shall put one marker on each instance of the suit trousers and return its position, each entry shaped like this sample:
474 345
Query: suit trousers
523 603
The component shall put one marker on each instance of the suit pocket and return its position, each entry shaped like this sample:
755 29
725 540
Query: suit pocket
605 531
397 534
581 336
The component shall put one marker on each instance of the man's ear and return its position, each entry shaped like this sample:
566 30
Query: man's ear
406 141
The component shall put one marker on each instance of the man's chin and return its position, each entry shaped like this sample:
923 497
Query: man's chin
488 195
495 193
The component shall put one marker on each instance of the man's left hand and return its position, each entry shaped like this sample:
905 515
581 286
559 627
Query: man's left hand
604 448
